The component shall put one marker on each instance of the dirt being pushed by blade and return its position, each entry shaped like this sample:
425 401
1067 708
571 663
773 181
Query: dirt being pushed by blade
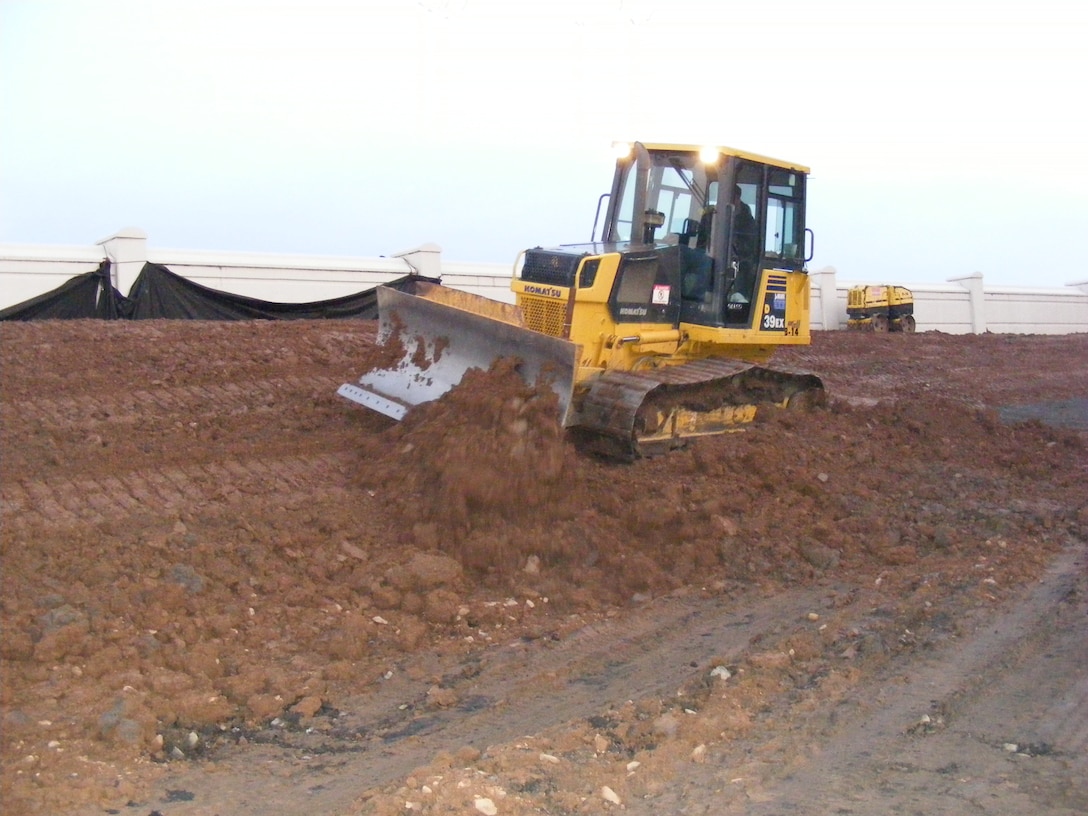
478 468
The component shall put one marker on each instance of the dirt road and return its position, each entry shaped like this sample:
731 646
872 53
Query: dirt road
227 591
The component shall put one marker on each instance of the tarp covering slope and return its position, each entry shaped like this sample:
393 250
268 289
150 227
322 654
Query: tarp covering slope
160 293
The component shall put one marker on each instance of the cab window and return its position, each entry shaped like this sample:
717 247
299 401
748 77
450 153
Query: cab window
784 237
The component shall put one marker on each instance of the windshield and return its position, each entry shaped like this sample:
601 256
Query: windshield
678 187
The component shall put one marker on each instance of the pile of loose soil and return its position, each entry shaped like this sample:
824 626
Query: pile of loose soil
200 538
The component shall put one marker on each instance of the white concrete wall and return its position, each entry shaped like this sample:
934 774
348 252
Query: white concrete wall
961 306
29 270
490 280
964 305
281 279
1018 311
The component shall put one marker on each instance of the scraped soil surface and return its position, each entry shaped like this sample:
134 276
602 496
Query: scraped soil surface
226 590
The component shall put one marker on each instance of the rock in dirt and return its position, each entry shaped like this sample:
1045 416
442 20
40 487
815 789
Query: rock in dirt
424 571
486 806
308 706
770 660
818 555
439 697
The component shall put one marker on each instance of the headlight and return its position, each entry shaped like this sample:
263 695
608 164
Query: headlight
708 155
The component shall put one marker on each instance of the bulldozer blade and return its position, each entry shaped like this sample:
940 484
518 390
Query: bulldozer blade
442 333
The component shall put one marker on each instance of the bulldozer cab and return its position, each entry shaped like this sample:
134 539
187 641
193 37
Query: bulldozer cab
730 214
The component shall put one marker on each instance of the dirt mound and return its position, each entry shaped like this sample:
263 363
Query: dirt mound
200 538
490 454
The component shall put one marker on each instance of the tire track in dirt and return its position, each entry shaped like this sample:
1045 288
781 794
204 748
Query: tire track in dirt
941 734
78 494
64 502
169 403
506 693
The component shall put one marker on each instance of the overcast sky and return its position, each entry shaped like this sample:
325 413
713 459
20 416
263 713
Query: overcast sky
945 137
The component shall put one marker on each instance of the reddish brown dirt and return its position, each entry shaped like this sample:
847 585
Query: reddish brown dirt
227 590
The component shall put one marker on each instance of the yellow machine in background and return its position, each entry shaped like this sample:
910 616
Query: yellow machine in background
656 332
880 309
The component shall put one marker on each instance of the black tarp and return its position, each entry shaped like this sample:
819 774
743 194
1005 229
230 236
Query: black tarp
90 295
159 293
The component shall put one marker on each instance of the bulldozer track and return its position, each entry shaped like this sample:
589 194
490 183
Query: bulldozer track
626 414
162 433
64 502
193 402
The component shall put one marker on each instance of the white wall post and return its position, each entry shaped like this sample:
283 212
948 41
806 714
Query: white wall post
127 254
424 260
829 297
977 299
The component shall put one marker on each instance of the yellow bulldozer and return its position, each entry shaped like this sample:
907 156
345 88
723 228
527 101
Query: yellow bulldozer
657 331
880 309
